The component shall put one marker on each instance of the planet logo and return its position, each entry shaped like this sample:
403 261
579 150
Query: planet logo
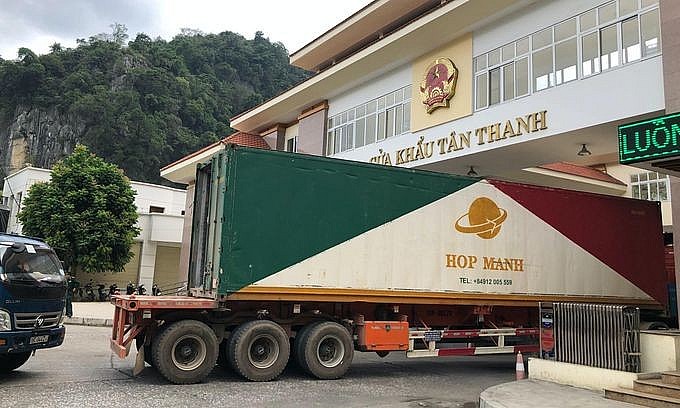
484 218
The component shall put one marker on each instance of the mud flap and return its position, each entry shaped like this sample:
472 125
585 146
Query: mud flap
139 362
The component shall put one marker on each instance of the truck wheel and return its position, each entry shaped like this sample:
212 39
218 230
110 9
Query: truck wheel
9 362
185 352
325 350
259 350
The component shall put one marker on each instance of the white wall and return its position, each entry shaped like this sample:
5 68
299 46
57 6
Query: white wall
171 199
14 192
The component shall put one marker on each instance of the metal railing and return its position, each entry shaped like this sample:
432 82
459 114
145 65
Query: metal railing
604 336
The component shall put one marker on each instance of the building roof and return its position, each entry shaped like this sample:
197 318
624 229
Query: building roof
582 171
184 169
247 139
366 26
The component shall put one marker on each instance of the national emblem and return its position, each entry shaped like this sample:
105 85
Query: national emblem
438 84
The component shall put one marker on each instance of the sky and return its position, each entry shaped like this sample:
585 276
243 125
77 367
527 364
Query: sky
36 24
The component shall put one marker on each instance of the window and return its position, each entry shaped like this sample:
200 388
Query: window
291 145
650 186
605 37
376 120
156 210
651 33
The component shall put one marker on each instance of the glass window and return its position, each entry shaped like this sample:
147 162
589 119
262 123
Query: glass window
370 129
523 46
398 119
651 36
407 92
348 137
630 40
389 124
494 57
407 117
542 67
361 111
565 30
494 86
329 143
565 61
381 103
588 20
389 100
508 82
381 125
522 76
647 3
590 50
337 137
371 106
607 12
609 46
650 186
360 137
627 7
541 38
508 52
398 96
480 63
481 91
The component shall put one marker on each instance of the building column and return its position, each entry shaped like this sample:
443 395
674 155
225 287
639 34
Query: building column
670 43
147 264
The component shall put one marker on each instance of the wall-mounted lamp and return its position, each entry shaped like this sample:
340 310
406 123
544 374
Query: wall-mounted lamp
472 172
584 151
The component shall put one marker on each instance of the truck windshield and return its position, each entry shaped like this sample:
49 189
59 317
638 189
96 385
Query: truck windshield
36 264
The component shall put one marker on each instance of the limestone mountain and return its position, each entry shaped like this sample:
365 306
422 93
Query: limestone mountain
141 105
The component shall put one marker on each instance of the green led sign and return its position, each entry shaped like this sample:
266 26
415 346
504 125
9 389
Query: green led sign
649 139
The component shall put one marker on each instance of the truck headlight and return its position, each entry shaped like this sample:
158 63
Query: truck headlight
5 321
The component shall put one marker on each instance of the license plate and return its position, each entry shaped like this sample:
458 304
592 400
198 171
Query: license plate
39 339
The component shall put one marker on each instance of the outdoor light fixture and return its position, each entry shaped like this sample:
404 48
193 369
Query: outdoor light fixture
472 172
584 151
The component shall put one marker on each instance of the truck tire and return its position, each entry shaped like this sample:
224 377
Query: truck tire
185 352
259 350
325 350
9 362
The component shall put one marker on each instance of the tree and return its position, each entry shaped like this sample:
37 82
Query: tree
86 212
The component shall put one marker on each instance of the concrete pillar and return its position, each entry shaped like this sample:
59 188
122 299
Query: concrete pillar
147 264
312 130
670 43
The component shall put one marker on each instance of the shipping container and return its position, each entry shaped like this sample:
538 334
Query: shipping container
333 256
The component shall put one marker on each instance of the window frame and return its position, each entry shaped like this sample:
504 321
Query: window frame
482 68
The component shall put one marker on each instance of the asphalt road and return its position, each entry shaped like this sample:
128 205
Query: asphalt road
83 373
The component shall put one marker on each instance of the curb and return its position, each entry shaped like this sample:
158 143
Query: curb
89 321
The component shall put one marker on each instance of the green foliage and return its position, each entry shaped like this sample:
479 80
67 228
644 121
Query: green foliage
86 212
151 102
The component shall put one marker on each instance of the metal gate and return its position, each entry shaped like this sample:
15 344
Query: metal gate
604 336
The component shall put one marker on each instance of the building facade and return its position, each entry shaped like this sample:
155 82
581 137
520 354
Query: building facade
529 91
156 249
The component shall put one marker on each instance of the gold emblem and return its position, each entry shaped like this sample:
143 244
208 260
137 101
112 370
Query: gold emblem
484 218
439 84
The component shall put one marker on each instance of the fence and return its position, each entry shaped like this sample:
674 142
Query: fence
604 336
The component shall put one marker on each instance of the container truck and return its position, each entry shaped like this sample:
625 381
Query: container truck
310 259
32 296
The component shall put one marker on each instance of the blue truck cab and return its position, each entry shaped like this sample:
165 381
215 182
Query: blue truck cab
32 297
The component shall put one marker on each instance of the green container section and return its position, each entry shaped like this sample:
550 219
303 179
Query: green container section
279 208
